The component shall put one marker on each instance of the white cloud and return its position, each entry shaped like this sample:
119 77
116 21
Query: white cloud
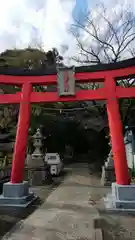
56 22
116 3
25 20
114 7
112 13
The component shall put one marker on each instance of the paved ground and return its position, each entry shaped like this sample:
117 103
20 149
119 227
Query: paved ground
115 226
66 213
10 216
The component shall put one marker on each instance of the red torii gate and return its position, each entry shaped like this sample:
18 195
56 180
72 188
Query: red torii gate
110 92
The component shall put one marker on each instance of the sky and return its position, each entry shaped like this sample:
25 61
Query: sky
28 22
80 9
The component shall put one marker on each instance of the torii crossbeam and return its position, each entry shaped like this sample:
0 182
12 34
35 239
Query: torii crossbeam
107 73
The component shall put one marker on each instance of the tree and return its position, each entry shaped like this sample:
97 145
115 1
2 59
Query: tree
29 58
106 38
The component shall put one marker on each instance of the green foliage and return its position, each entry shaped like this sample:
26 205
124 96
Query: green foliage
29 58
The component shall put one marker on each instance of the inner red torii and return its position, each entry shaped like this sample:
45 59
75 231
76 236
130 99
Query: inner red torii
107 73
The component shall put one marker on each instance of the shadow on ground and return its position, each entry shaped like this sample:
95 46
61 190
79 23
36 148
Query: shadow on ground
10 216
115 225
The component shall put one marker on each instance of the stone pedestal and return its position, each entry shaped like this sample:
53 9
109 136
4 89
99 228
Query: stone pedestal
37 176
122 198
37 172
16 195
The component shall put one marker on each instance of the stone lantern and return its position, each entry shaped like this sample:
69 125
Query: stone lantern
37 155
38 172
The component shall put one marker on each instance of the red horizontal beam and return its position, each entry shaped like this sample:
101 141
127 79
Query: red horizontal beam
100 76
125 92
123 72
52 79
48 79
37 97
19 80
10 98
81 95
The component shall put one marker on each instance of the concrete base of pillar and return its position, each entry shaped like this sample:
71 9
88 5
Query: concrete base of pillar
16 195
121 198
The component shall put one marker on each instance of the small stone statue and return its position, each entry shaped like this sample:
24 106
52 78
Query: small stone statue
108 173
109 163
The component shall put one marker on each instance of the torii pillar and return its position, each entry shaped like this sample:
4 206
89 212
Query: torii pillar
116 132
123 194
17 173
16 192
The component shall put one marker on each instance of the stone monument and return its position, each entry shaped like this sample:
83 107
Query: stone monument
108 172
36 161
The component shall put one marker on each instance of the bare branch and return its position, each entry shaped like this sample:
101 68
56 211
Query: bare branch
116 38
109 44
96 35
83 61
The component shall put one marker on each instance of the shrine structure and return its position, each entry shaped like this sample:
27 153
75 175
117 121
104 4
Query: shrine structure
16 191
